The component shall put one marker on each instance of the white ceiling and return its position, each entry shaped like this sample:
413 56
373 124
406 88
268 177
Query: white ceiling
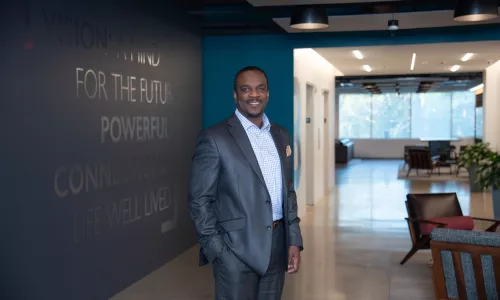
396 60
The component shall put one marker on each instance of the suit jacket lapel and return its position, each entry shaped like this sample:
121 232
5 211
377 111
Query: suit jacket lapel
280 146
239 134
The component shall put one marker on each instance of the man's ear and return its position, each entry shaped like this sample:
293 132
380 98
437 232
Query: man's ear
235 97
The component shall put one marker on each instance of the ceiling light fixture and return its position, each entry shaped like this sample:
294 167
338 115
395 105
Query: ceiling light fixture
393 24
358 54
467 56
413 61
455 68
367 68
309 17
477 87
475 10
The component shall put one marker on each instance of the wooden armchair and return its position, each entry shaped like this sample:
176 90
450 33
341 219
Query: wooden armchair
428 211
420 159
407 152
466 264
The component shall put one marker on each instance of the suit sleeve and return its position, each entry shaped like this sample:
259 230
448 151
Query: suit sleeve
294 232
202 195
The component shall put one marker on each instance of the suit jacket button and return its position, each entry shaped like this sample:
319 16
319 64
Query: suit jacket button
269 227
268 201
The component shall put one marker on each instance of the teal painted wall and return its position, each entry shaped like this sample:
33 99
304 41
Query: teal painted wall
223 56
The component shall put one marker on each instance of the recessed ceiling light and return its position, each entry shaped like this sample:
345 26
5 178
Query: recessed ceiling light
413 61
358 54
467 56
477 87
367 68
455 68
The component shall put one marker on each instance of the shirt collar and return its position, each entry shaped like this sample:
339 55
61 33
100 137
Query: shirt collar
247 124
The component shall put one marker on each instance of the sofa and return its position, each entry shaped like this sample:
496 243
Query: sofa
344 150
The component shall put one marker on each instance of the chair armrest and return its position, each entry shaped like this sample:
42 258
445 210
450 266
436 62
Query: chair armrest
426 221
493 227
485 219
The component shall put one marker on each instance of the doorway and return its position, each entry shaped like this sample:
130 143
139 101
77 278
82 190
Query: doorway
326 142
310 90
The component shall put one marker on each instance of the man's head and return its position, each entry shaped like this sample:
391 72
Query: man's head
251 92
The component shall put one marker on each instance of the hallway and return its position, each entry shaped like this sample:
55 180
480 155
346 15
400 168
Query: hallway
354 241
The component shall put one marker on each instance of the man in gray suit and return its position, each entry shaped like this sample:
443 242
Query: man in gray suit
242 197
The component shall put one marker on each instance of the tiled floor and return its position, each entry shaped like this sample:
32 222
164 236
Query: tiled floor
354 242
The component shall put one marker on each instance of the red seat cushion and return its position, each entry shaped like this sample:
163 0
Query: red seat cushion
463 223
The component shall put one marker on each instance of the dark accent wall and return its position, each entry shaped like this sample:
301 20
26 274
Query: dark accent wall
100 106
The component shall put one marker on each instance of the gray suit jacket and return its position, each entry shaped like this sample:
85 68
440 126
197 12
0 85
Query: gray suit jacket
229 202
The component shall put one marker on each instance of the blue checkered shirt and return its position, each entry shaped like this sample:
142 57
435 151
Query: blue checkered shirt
268 158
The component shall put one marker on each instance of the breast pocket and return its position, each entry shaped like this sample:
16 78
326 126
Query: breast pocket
288 167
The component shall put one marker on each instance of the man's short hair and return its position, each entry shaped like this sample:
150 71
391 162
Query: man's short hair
246 69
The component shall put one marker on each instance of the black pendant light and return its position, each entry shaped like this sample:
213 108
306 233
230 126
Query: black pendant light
475 10
309 17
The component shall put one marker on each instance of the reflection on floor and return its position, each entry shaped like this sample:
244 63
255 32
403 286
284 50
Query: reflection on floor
354 242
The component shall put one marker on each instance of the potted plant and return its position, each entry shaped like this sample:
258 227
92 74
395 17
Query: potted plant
469 158
488 176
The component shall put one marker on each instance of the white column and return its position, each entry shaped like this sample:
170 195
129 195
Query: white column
491 106
311 69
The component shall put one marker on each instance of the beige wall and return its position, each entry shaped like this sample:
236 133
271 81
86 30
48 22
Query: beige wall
311 68
491 104
392 148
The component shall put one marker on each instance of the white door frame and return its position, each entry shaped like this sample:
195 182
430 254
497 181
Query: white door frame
310 147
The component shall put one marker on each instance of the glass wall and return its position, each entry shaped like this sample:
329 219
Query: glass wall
479 123
416 115
390 117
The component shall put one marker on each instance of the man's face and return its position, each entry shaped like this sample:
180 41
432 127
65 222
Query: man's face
251 94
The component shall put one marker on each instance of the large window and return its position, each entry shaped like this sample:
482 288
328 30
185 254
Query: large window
399 116
390 116
356 115
463 119
431 115
479 123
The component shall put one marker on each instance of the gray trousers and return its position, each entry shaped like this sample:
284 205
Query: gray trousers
236 281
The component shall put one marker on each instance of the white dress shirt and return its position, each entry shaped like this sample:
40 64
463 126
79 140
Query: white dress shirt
268 158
